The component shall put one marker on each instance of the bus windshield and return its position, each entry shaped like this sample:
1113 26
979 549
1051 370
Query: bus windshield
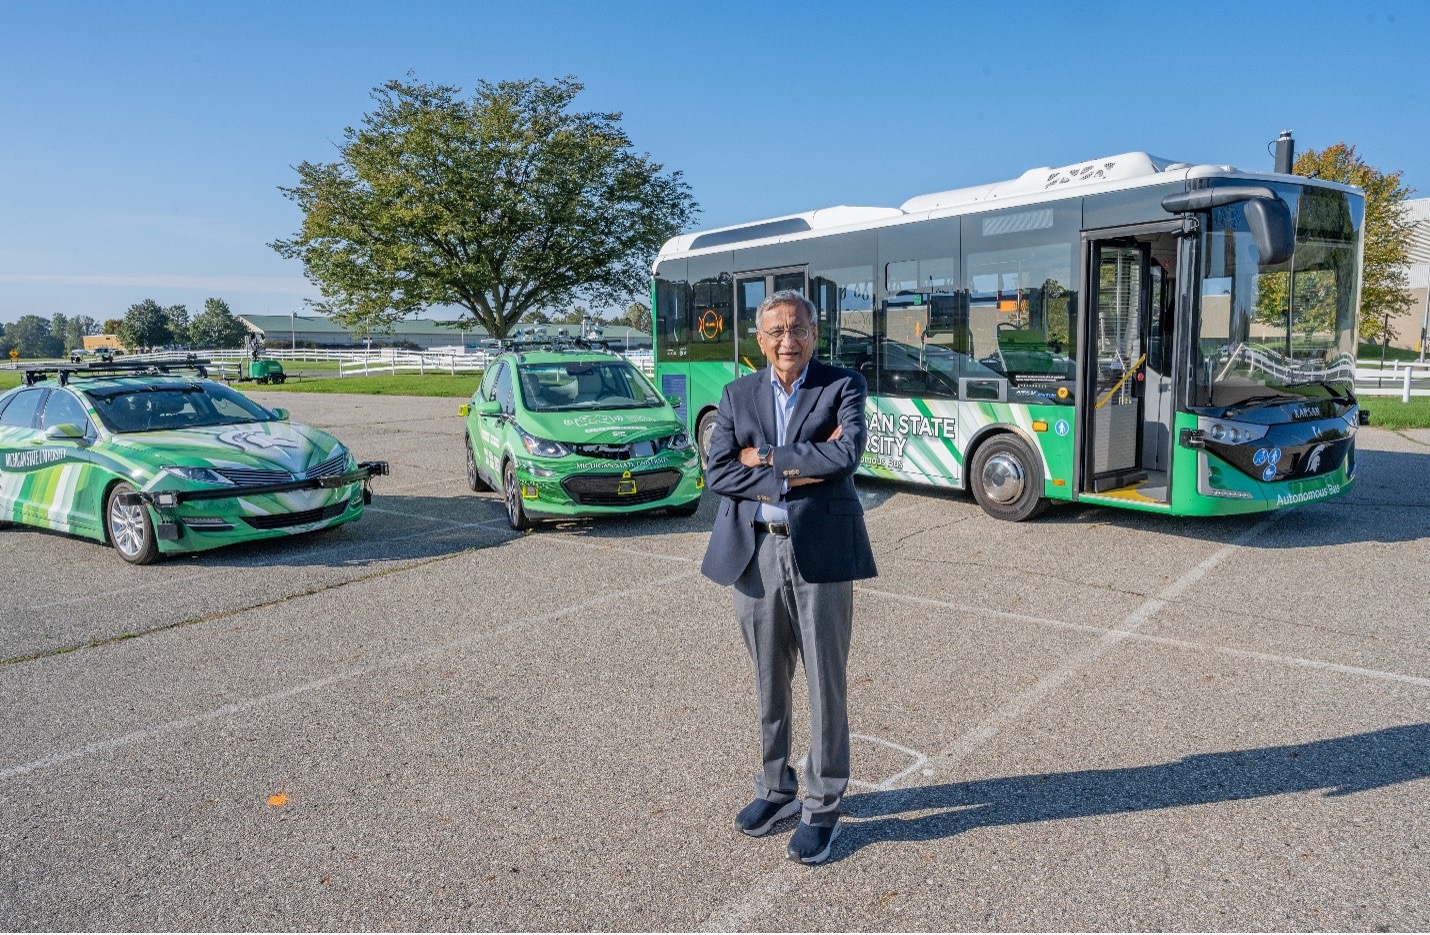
1284 330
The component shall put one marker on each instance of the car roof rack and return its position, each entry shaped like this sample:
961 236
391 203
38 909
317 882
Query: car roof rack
34 373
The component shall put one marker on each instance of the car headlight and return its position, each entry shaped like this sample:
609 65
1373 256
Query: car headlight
198 475
1232 433
543 448
678 442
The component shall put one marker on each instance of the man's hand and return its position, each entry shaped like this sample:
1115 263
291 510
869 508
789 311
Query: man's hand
750 457
834 436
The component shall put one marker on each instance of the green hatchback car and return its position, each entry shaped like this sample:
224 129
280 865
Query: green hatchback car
577 433
155 462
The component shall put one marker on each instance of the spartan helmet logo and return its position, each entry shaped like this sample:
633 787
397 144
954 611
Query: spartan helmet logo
1313 460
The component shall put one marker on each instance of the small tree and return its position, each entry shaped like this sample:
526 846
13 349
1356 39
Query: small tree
638 316
216 327
178 316
1387 231
145 327
501 205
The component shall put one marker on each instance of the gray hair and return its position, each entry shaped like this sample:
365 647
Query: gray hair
788 297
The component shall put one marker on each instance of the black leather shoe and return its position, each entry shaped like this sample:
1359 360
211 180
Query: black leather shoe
761 815
811 844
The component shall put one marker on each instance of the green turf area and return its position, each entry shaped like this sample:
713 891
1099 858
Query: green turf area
402 384
1388 412
1369 354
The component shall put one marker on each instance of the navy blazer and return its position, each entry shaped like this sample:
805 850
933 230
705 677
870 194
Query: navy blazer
826 519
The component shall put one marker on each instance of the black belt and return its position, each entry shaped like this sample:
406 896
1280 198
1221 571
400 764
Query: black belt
774 529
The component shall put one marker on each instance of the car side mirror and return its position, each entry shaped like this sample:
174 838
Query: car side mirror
488 407
280 413
65 430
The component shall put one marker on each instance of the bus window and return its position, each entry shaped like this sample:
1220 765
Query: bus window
672 316
845 299
712 325
1021 315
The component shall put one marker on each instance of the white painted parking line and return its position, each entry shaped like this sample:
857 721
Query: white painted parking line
741 912
259 701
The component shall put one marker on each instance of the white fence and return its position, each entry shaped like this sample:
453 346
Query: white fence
363 362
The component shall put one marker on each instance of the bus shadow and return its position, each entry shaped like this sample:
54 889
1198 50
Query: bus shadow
1339 766
1390 502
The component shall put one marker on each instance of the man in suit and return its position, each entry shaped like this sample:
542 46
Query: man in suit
790 536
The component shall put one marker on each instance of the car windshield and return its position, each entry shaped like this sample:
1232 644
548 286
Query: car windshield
167 406
546 387
1279 331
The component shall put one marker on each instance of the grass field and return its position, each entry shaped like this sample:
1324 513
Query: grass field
321 377
1388 412
402 384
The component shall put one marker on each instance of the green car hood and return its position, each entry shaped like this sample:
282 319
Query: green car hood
283 446
603 426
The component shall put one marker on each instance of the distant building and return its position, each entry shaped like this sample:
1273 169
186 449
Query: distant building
1409 328
111 341
320 331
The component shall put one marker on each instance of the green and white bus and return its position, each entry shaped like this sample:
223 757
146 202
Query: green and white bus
1127 331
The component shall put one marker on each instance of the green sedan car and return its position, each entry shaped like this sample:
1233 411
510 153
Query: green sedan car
157 463
577 433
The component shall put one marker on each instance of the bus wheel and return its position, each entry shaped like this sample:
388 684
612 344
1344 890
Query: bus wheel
703 431
1007 479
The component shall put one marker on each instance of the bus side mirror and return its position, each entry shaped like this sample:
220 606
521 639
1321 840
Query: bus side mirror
1270 223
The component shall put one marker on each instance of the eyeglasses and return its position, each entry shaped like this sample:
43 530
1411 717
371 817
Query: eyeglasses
799 333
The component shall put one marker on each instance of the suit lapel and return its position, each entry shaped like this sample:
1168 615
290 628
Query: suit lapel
765 407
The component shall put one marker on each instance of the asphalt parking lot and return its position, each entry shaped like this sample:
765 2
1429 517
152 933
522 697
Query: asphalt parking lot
1097 720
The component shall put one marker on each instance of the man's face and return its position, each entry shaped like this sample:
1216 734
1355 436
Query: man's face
789 352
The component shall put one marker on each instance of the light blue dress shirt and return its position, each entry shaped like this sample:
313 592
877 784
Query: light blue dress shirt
784 405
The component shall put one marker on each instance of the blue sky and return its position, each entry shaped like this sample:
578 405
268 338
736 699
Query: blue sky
142 144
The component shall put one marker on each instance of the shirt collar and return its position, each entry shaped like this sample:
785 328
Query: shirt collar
794 388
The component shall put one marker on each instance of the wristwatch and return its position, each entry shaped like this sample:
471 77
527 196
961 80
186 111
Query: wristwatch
766 454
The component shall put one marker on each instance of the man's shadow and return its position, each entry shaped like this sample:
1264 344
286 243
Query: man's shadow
1340 766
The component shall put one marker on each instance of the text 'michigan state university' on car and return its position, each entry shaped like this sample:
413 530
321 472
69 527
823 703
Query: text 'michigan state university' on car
156 462
570 432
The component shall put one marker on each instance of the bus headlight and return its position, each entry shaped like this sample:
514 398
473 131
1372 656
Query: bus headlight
1232 433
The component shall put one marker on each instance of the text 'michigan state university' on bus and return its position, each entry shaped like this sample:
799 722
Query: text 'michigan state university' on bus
1128 331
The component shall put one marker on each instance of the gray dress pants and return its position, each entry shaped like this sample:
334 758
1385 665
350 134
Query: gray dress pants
782 617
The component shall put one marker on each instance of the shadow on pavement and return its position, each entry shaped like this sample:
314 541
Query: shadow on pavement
1340 766
1392 481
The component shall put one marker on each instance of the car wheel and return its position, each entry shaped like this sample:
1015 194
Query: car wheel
1007 479
703 431
474 479
685 509
129 529
280 378
515 512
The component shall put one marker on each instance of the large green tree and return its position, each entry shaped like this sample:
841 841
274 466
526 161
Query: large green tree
145 326
215 326
1387 231
31 336
505 203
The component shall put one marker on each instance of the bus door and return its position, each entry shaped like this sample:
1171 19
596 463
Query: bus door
750 290
1126 402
